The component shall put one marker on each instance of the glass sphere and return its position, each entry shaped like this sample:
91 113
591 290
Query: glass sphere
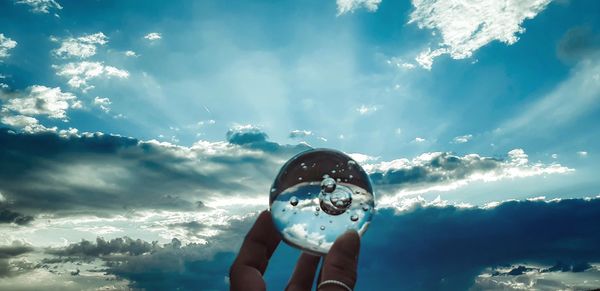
318 195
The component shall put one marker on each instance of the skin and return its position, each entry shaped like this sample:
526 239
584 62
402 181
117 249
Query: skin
262 240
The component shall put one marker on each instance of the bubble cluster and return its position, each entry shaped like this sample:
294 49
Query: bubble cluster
318 195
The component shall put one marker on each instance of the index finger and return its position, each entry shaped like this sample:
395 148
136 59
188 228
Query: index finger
257 248
341 262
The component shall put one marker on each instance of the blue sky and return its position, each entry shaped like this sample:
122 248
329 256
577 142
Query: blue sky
169 120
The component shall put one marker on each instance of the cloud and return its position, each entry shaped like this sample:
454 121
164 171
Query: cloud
582 154
102 247
466 26
297 133
446 248
41 6
103 103
26 123
40 100
345 6
419 140
79 73
443 171
95 173
423 248
462 139
131 54
153 36
8 216
106 174
363 110
148 265
6 44
81 47
580 276
8 252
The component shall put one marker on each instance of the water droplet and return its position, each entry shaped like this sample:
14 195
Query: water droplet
294 201
320 242
304 168
317 213
328 185
322 227
317 208
333 171
302 164
299 178
331 221
366 207
354 217
339 180
283 210
350 176
273 190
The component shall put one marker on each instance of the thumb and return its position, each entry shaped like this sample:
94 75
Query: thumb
341 262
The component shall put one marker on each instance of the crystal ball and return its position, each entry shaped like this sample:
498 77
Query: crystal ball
318 195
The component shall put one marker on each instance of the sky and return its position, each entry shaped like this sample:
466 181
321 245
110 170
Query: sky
139 141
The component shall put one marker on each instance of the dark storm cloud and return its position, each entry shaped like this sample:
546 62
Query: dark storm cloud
102 247
14 250
9 252
426 248
171 266
8 216
103 174
445 248
578 43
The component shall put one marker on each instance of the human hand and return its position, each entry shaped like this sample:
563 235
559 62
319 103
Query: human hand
262 240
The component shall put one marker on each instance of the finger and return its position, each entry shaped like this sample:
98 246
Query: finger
258 246
341 262
304 273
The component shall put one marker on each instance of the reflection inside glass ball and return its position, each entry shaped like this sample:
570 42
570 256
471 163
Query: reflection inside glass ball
317 196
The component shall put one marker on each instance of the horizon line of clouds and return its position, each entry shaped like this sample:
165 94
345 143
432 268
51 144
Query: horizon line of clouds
73 165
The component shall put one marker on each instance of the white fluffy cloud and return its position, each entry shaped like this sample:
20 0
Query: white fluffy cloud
26 123
153 36
79 73
6 44
82 47
42 100
345 6
462 139
465 26
103 103
41 6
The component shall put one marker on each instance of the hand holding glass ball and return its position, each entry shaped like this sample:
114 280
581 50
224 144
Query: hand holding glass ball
321 201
